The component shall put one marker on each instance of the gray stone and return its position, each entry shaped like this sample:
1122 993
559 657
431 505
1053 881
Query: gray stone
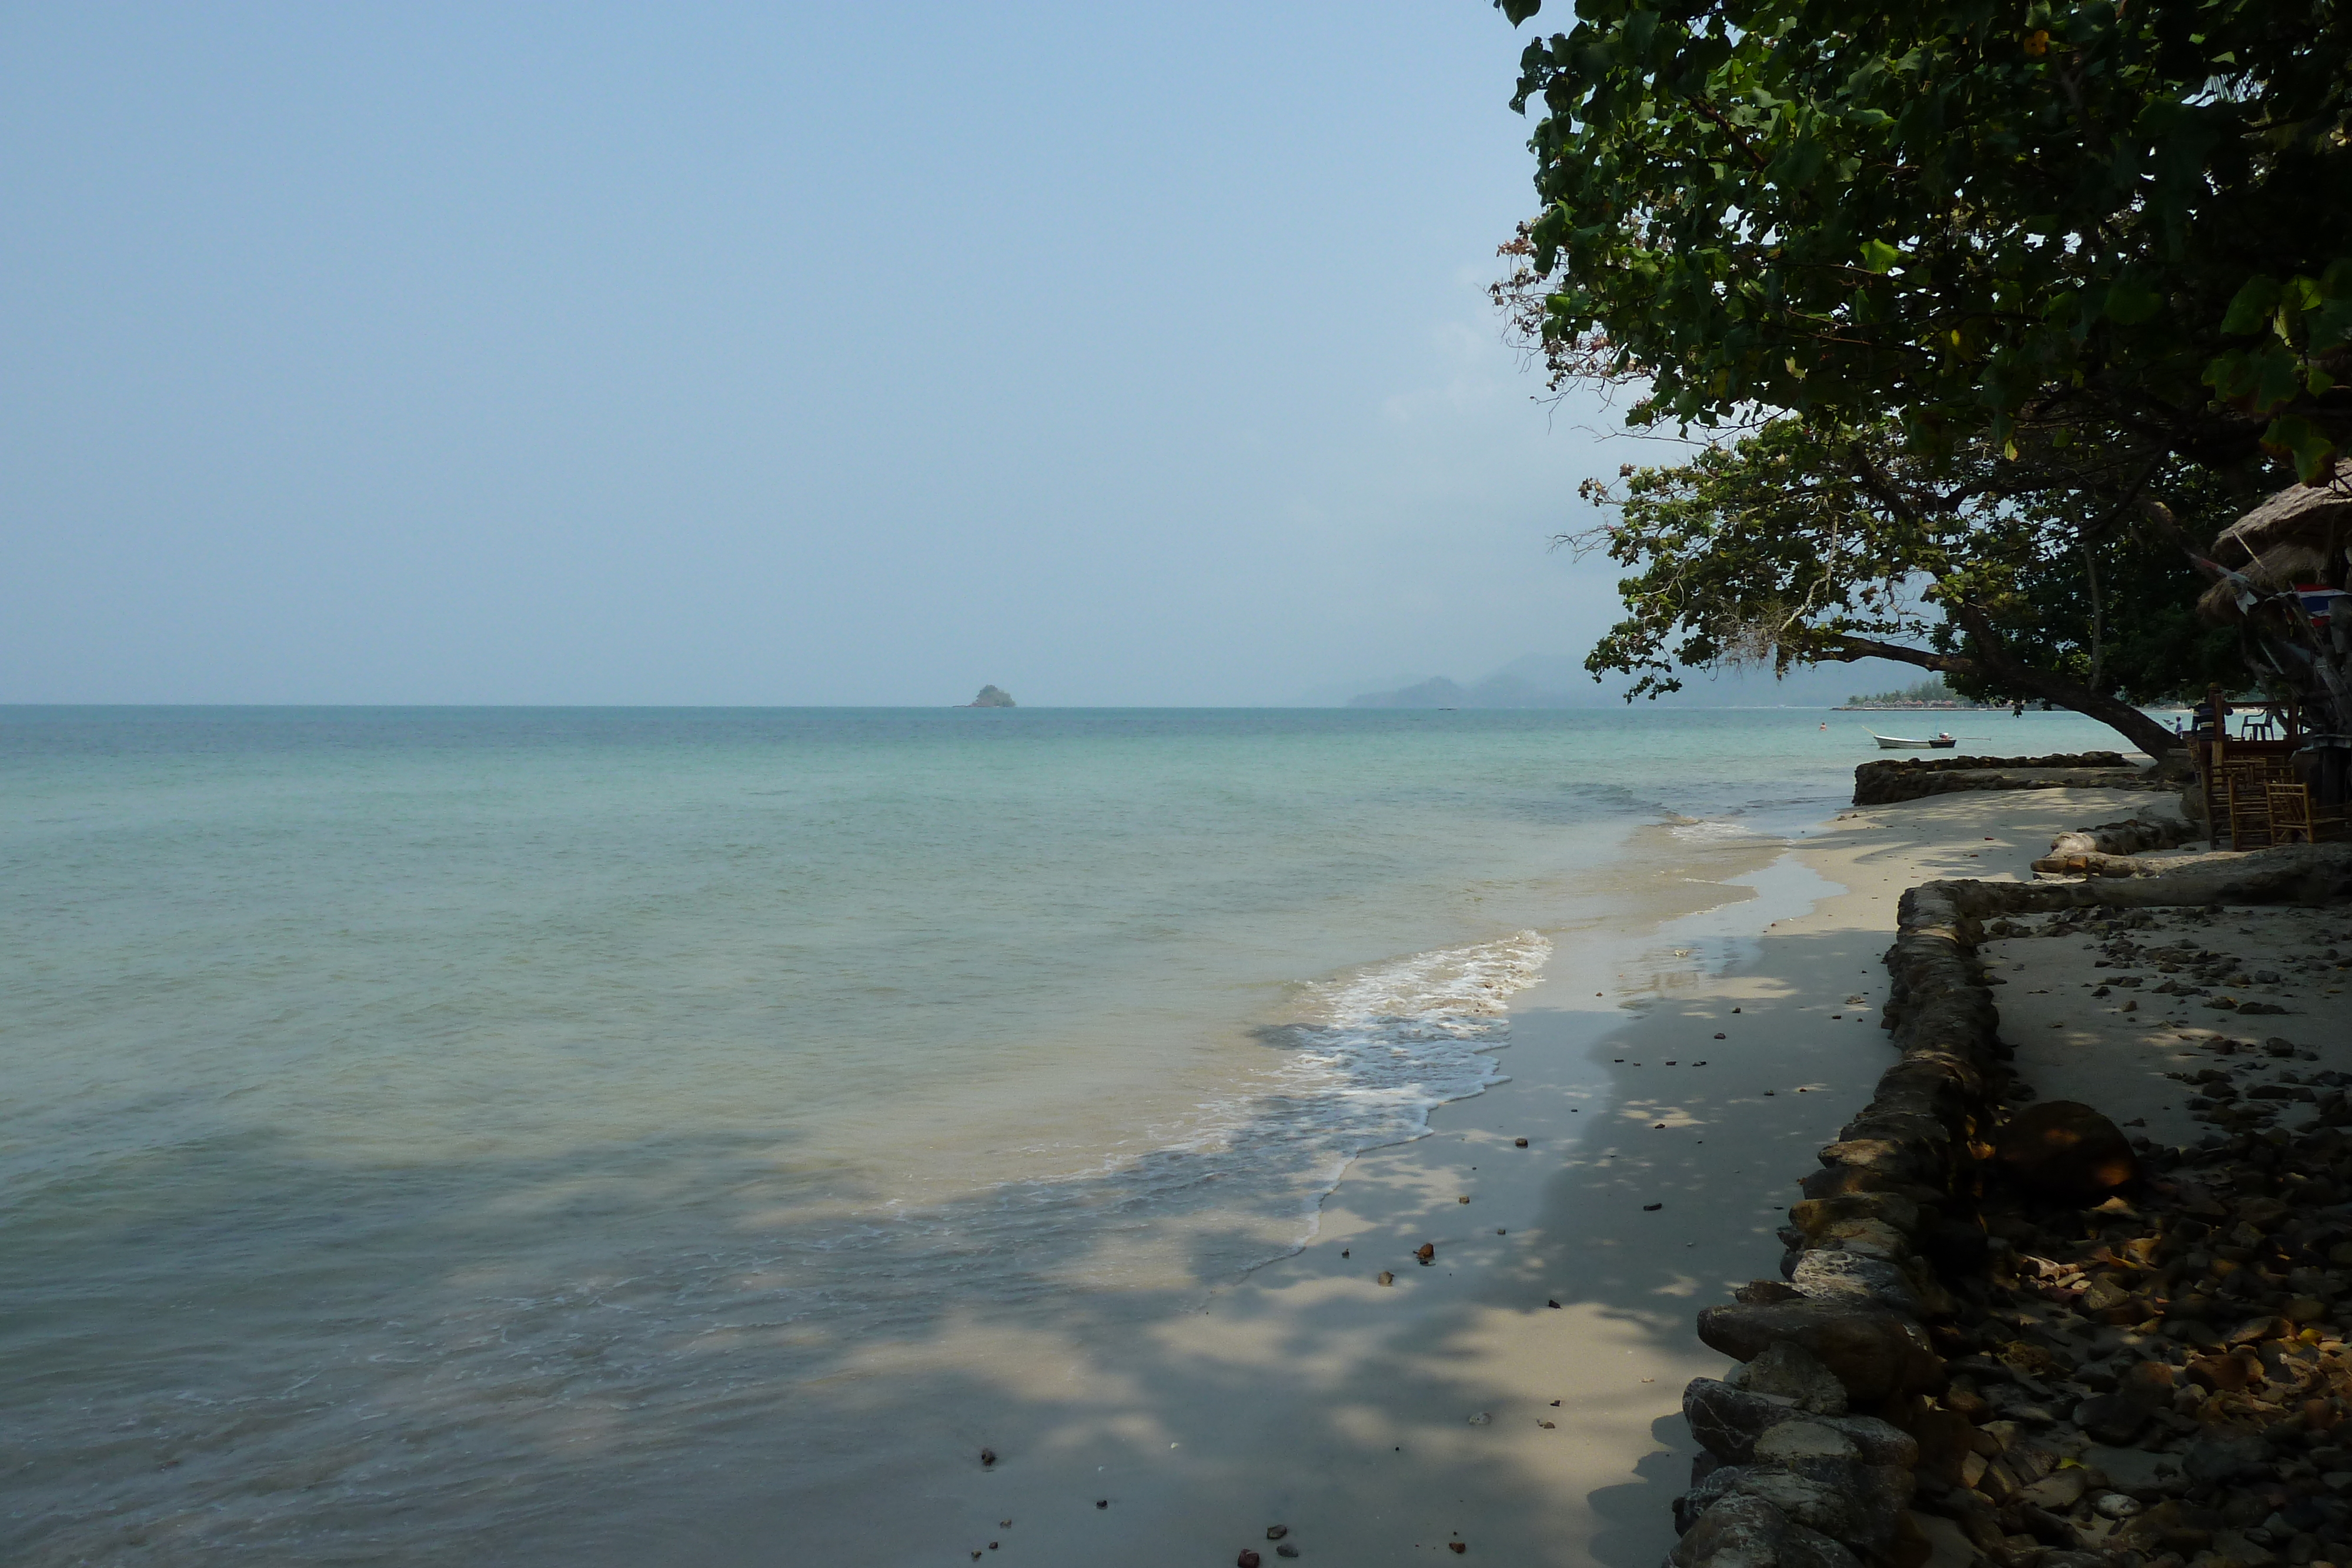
1856 1503
1803 1548
1878 1442
1736 1532
1726 1421
2215 1458
1790 1372
1873 1353
1827 1275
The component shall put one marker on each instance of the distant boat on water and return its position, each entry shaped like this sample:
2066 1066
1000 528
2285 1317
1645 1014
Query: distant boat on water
1942 742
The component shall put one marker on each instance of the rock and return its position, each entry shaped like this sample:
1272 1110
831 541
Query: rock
2222 1373
1276 1532
1735 1531
1457 1547
1855 1503
1426 1252
2216 1457
987 1457
1388 1279
1248 1559
1873 1353
1787 1371
1726 1421
1945 1441
1286 1550
1789 1442
2064 1150
2112 1419
1815 1215
1518 1142
1757 1291
1879 1442
1803 1548
1835 1275
2059 1491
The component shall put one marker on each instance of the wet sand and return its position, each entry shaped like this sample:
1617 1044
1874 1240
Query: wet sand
1382 1423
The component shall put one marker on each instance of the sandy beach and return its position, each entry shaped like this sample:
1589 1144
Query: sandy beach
1520 1393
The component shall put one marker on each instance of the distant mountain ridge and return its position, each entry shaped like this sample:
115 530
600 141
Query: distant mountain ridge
1558 681
1532 680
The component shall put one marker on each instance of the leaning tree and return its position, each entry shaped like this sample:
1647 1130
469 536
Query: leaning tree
2042 258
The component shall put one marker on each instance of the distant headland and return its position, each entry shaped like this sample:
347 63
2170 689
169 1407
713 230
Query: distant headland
992 696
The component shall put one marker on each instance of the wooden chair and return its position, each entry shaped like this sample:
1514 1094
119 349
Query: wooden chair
2245 790
2294 820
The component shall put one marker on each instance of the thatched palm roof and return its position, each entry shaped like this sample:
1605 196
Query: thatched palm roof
2298 536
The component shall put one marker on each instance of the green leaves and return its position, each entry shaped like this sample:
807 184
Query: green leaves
1518 11
2252 306
1837 208
2299 325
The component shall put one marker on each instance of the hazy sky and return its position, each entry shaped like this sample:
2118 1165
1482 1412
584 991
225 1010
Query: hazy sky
767 354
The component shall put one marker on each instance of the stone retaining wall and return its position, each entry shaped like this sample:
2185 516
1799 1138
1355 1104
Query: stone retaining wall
1913 777
1810 1450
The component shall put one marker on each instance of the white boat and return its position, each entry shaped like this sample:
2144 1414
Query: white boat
1943 742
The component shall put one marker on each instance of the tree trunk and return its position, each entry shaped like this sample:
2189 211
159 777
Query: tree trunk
2142 731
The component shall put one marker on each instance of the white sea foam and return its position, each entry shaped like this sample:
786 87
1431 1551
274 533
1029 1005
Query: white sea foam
1380 1047
1709 830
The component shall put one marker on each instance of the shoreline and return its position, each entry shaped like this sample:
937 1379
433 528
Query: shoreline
1308 1396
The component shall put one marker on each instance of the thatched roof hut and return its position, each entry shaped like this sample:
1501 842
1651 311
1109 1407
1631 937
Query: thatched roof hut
2299 535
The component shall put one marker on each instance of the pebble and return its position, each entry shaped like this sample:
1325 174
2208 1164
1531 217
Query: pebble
1426 1252
988 1456
1286 1550
1518 1142
1248 1559
1276 1532
1652 1207
1387 1278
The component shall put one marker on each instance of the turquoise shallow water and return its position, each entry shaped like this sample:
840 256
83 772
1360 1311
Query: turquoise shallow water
417 1119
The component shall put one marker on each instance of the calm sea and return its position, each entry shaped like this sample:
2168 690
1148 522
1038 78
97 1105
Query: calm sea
423 1124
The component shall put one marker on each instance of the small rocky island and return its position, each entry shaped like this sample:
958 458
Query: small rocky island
992 696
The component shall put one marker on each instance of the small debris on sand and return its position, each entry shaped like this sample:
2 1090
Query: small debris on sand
1426 1252
1518 1142
1248 1559
1276 1532
1387 1278
988 1456
1653 1207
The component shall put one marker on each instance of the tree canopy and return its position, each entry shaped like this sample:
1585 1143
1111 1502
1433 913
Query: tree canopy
2115 224
1801 545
